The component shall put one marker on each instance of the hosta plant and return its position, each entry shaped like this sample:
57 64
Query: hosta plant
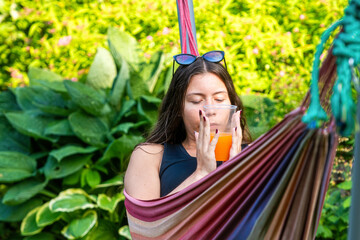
65 145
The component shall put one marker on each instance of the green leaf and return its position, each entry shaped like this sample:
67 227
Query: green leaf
28 225
69 150
122 147
51 102
347 202
90 129
45 216
151 99
123 45
42 74
125 127
126 107
26 95
137 86
41 236
333 219
8 102
102 71
18 212
115 181
345 185
105 230
109 203
124 231
78 228
324 232
54 169
23 191
118 89
151 71
148 110
71 200
15 166
83 177
55 86
30 124
72 179
59 128
90 100
12 140
93 178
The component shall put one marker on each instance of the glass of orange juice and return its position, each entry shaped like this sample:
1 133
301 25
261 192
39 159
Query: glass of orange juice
221 118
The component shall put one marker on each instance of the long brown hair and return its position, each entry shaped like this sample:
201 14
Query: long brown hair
170 126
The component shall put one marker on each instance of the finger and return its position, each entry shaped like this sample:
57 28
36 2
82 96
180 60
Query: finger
233 120
201 127
235 139
206 134
239 129
214 141
196 136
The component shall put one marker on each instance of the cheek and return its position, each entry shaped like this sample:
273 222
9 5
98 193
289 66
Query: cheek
191 118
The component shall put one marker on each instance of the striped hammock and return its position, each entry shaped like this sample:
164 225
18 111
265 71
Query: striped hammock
275 188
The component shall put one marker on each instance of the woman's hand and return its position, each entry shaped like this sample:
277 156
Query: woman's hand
236 135
205 150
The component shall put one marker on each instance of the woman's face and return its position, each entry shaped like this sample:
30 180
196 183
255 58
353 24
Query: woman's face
203 89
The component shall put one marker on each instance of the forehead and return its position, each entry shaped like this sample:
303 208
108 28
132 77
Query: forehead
205 83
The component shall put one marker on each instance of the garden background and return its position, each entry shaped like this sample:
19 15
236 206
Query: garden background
81 82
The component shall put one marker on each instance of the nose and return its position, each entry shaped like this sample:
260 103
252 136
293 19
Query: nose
209 111
209 102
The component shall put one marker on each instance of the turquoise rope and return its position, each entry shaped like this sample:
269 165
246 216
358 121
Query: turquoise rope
346 47
316 114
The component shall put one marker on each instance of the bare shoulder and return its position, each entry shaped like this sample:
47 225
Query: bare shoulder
150 151
150 148
142 179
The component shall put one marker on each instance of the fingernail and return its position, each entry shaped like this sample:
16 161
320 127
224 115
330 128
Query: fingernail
200 112
240 112
204 119
235 129
216 131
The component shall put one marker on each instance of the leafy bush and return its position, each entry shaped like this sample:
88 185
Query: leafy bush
269 45
334 219
269 49
64 145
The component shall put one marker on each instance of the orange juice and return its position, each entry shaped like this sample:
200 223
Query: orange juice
223 146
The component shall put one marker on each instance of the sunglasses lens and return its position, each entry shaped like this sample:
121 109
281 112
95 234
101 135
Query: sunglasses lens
214 56
184 59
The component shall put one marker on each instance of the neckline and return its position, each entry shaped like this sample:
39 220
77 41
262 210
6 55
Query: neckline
182 148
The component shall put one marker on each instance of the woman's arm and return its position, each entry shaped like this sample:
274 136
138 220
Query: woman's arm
142 179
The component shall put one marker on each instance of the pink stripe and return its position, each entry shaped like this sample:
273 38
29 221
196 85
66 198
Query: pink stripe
186 28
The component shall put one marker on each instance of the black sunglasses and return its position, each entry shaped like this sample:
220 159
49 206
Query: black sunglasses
187 59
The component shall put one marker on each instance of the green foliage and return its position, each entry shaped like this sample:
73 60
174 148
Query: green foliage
334 219
335 214
66 179
259 114
79 134
269 45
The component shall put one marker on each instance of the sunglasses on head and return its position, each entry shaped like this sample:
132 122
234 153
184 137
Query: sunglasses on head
187 59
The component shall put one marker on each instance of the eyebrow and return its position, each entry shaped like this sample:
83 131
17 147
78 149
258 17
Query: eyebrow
200 94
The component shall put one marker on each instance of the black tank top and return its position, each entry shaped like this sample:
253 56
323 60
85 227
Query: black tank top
176 166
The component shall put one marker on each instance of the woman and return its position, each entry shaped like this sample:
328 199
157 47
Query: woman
179 152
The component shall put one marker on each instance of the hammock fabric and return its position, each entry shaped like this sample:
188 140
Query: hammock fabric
275 188
187 27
